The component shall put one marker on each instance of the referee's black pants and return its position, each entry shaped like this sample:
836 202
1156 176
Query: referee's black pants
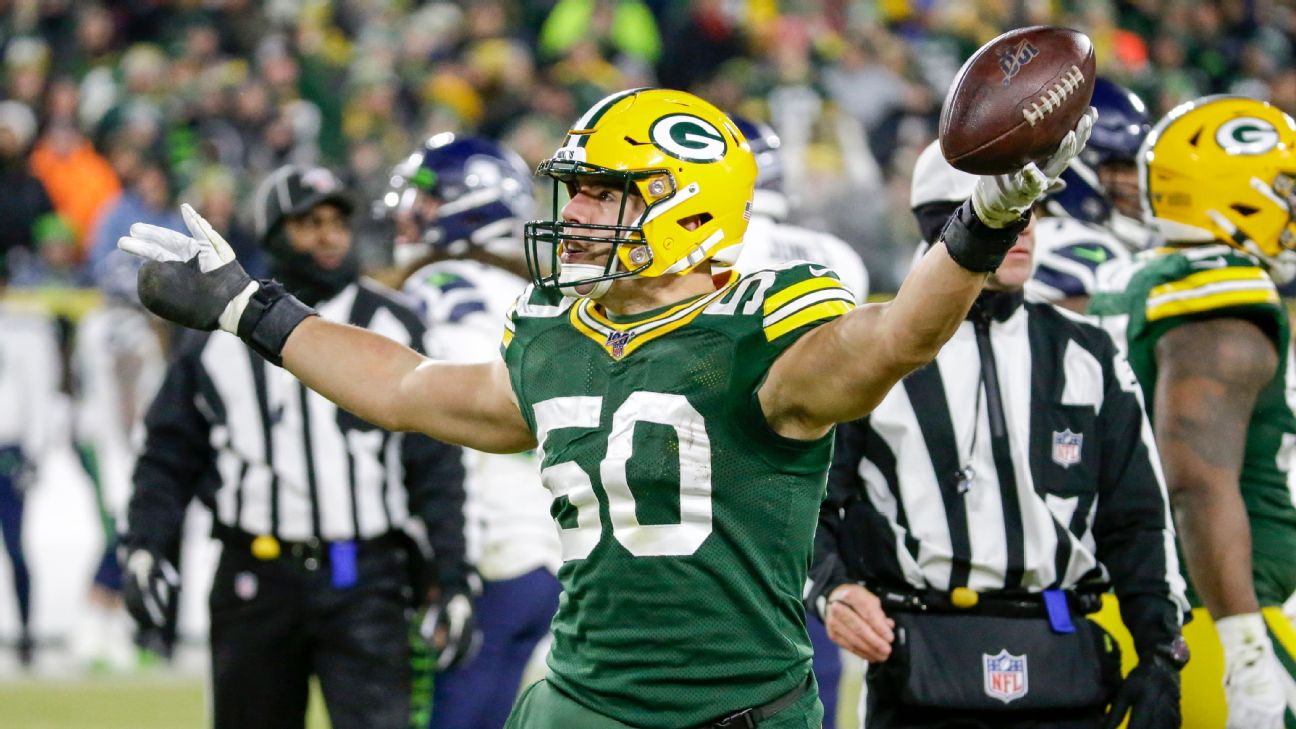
275 623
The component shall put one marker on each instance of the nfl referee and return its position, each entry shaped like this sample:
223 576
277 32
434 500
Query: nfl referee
315 507
976 516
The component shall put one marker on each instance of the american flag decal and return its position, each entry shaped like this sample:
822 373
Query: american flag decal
747 210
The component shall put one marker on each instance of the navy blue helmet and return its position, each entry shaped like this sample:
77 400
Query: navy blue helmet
1121 127
765 145
484 190
770 198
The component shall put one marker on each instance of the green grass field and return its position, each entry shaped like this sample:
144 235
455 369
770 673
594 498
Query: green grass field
128 702
152 701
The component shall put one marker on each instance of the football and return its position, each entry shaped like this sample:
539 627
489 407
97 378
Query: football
1016 98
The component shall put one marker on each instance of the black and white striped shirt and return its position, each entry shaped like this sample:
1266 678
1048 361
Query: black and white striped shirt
270 456
1021 459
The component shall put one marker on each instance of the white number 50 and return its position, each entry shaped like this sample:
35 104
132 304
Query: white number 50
568 479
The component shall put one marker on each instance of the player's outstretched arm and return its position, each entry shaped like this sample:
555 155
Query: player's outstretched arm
396 388
195 281
843 369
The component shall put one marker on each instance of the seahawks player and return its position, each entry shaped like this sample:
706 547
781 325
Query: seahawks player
1209 339
770 239
467 200
1095 218
684 419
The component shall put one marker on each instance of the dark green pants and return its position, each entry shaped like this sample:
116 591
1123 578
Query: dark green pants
542 706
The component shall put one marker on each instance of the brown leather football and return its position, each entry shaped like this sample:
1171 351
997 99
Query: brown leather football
1016 98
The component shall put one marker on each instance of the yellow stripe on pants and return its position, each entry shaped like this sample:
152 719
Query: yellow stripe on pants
1203 678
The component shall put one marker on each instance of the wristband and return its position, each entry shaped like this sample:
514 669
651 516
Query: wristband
271 315
976 246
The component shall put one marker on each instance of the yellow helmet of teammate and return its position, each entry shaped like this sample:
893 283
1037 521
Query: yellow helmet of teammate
1223 168
681 155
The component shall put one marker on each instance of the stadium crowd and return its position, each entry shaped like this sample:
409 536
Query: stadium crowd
214 95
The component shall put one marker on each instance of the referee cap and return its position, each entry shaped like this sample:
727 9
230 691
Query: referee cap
293 190
935 180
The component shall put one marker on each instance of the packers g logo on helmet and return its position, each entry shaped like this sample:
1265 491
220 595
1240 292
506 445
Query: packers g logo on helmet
1223 168
686 137
687 162
1247 135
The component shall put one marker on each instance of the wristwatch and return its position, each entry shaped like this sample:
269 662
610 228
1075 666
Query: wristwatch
1176 652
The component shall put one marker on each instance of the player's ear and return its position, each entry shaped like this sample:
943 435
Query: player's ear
693 222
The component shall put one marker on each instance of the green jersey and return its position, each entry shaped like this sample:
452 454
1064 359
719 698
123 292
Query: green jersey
1166 287
686 522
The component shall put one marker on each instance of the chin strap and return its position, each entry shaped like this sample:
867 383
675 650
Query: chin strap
571 274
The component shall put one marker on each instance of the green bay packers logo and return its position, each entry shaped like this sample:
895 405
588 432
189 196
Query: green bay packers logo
687 137
1247 135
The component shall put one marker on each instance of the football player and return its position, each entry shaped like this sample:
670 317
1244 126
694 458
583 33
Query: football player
769 243
1095 219
1209 338
684 420
467 200
770 239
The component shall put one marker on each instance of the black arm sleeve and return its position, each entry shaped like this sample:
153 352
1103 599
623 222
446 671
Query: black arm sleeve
177 458
1132 526
828 568
434 479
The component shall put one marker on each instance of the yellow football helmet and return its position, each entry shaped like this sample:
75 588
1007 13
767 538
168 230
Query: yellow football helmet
1223 168
683 156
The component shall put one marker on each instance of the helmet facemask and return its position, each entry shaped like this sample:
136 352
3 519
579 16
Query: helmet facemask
1279 258
629 254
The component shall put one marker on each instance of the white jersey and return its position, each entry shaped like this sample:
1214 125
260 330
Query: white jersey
769 242
509 531
29 382
119 364
1068 254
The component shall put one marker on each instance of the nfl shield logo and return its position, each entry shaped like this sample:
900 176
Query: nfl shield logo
245 585
1066 448
1005 676
616 343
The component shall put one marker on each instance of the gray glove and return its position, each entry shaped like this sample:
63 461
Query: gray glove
1001 200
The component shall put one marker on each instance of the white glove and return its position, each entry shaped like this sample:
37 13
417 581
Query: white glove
212 253
1252 674
1001 200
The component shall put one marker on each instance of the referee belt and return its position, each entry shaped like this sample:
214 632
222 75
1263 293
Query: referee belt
310 554
1016 604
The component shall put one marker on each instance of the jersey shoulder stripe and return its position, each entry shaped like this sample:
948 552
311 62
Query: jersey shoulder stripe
1211 289
802 294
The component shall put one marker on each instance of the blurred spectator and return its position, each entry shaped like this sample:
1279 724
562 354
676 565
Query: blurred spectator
26 63
146 199
704 34
215 194
24 202
78 179
57 260
615 27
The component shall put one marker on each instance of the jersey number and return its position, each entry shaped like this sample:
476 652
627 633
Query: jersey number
570 480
